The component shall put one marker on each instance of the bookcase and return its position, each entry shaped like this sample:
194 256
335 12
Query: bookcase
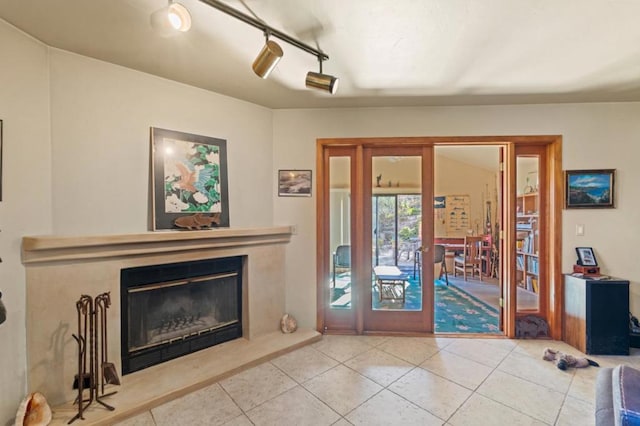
527 242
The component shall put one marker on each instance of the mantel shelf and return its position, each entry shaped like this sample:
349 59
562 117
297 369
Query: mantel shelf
54 248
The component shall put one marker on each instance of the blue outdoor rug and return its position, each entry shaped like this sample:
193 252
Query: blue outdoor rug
457 311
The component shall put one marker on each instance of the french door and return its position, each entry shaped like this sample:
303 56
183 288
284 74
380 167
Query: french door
378 200
368 217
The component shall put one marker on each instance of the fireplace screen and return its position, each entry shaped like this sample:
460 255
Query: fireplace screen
175 309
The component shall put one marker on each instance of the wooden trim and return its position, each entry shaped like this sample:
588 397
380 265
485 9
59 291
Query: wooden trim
556 202
509 243
322 206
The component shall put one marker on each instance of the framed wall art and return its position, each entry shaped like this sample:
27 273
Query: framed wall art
294 183
189 174
589 188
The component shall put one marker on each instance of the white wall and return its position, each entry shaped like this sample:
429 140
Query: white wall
101 114
26 199
595 136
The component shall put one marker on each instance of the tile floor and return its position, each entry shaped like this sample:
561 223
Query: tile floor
363 380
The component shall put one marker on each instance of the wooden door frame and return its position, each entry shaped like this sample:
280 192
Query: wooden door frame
553 214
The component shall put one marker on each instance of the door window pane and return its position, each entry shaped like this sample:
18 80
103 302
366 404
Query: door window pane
340 233
396 226
527 234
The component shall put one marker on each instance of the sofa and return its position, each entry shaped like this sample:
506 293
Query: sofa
618 396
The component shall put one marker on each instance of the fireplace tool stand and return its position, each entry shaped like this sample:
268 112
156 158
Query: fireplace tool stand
94 371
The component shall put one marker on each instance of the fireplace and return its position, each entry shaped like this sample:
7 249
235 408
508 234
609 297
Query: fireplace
171 310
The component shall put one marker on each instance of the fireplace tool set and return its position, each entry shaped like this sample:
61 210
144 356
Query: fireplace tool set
94 371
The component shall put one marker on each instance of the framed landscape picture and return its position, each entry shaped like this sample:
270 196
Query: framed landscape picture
589 188
189 174
294 183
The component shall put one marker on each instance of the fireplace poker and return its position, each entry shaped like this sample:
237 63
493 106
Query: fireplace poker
83 380
99 310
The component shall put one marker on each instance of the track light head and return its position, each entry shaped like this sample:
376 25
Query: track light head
267 59
174 17
318 80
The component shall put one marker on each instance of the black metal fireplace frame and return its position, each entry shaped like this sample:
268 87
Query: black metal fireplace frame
145 275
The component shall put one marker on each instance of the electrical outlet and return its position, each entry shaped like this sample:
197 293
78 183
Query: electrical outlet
580 230
294 229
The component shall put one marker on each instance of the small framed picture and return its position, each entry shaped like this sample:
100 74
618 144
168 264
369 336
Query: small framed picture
586 257
589 188
294 183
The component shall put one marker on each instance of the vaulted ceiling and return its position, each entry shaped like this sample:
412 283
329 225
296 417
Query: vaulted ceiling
385 52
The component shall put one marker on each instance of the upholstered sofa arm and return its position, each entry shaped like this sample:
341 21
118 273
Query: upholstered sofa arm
626 395
618 397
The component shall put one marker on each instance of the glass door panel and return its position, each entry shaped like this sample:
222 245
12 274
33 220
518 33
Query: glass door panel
396 203
340 288
528 244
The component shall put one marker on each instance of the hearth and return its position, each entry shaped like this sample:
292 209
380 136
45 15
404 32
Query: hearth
174 309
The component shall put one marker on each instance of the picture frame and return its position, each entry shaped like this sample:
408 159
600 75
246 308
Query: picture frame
294 183
586 257
189 176
589 188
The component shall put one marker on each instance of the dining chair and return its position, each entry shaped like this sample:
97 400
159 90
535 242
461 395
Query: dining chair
469 261
439 257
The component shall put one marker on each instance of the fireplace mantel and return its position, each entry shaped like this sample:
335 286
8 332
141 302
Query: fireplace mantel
59 269
53 248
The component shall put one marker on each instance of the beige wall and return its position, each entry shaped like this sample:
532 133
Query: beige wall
26 193
596 136
100 117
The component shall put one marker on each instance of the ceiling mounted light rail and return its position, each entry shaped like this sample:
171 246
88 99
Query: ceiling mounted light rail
271 52
172 17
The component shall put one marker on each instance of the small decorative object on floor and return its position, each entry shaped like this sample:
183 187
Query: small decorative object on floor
3 310
564 361
532 327
288 324
33 411
198 221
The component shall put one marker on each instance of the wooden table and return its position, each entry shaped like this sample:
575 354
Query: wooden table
391 282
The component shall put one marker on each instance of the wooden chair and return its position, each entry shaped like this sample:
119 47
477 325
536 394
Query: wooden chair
486 255
470 259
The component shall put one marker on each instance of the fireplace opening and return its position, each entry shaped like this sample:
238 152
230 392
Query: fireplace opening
174 309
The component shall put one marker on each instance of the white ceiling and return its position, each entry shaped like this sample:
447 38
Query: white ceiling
386 52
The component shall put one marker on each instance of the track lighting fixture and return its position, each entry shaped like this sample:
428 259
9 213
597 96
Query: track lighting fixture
318 80
174 17
271 52
268 58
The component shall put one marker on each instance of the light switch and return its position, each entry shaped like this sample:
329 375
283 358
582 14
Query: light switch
580 230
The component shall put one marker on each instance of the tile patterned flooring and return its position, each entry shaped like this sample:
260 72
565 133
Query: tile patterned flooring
367 380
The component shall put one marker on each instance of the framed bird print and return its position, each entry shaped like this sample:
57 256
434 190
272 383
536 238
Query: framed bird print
189 175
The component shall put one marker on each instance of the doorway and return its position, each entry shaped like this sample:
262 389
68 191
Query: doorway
354 213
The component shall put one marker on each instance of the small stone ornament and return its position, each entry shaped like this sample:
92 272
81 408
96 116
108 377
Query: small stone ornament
288 324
